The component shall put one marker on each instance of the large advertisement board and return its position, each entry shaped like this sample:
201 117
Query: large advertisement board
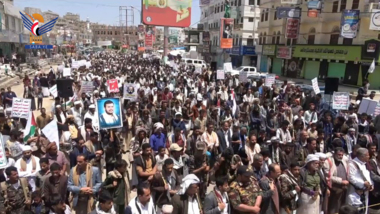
167 12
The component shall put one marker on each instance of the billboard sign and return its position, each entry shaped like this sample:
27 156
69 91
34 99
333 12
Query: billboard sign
350 23
292 28
167 13
226 26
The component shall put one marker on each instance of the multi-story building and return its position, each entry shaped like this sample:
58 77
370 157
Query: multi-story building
245 35
32 10
13 35
319 50
50 15
115 33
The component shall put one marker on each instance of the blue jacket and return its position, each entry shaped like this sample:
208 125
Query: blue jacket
96 183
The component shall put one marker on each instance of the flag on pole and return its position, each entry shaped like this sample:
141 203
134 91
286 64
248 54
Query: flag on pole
30 128
371 68
234 102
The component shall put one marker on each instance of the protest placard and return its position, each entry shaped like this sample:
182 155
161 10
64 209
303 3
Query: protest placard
220 74
3 157
315 85
367 106
130 91
341 100
88 64
67 72
87 86
60 68
270 80
377 109
51 132
82 63
243 77
21 107
53 91
113 86
227 67
198 70
75 65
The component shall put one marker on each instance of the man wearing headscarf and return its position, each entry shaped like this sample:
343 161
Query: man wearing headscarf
313 186
28 166
187 197
157 139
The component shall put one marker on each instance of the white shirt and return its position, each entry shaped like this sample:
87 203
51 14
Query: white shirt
225 201
28 173
109 119
226 137
77 113
193 207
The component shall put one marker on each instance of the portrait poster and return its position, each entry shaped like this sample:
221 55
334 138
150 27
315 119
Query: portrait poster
130 91
226 27
109 113
167 13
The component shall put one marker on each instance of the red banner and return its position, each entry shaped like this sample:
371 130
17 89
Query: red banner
292 28
113 87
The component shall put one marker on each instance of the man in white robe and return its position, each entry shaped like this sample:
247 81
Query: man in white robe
28 166
360 180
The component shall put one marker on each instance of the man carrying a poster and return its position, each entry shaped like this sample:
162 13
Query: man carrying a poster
109 118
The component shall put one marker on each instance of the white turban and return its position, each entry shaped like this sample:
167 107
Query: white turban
321 155
157 126
26 148
311 158
186 182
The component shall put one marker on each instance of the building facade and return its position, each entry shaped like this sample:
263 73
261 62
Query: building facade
115 33
319 50
247 15
13 35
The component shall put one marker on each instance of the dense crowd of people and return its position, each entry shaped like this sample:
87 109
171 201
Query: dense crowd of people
189 144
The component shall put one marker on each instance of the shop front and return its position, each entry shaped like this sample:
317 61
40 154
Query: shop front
267 60
236 56
249 56
329 61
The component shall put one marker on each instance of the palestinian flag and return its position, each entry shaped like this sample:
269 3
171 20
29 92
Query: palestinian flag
30 128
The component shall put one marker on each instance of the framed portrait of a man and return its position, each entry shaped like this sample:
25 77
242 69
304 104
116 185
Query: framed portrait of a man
109 113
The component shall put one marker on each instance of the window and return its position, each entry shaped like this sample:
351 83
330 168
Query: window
232 3
262 15
250 42
335 6
311 37
261 40
222 8
347 41
236 2
242 20
266 15
278 37
239 3
343 4
355 4
275 15
13 23
251 2
274 38
250 19
334 37
265 38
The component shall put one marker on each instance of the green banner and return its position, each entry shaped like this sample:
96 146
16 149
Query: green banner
173 39
346 53
269 50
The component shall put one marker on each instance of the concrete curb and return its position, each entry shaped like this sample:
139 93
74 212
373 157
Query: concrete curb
10 82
